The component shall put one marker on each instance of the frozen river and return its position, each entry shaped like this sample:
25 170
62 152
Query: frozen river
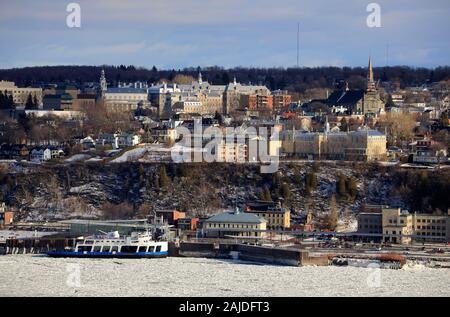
26 275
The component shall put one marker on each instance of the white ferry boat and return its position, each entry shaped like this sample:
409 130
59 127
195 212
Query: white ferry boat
111 245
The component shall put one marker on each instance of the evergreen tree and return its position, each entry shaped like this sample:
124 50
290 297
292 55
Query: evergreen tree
341 186
344 125
285 191
265 194
352 189
390 102
310 182
332 218
29 104
35 102
163 178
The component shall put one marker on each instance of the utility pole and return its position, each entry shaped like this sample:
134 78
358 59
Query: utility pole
298 44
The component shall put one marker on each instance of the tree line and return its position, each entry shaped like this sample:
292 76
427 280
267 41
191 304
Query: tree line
292 79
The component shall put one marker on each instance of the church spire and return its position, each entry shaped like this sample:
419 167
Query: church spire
103 83
370 81
200 79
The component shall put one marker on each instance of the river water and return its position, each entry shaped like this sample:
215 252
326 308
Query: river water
28 275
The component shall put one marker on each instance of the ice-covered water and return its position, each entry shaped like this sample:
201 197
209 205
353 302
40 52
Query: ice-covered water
26 275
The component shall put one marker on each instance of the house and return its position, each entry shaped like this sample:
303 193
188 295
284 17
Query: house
425 154
87 143
119 140
235 224
6 216
14 151
40 154
128 139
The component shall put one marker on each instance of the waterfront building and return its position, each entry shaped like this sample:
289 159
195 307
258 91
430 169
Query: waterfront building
187 224
390 222
231 224
277 218
170 216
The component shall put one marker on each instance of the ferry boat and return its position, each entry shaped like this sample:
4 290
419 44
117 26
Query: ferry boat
112 245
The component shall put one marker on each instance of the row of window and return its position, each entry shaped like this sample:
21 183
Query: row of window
124 249
227 225
431 227
431 220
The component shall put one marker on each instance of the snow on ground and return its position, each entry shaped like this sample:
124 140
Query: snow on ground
131 155
77 157
41 276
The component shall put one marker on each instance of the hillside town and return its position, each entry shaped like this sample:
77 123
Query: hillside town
368 138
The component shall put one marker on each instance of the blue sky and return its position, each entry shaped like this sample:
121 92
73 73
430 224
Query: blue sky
228 33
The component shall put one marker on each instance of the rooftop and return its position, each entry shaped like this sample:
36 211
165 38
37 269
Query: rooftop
236 217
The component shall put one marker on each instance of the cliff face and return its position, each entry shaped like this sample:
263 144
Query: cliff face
82 190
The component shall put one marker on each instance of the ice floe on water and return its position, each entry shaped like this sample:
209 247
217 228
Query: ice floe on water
41 276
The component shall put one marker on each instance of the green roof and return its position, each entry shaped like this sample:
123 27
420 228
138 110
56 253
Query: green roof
233 217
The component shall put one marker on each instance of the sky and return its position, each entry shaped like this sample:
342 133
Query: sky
228 33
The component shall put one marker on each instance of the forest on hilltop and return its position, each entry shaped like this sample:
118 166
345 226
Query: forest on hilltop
292 79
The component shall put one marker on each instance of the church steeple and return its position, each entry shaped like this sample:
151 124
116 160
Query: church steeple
370 81
103 83
200 79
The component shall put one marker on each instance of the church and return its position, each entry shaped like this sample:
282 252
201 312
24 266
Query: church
359 101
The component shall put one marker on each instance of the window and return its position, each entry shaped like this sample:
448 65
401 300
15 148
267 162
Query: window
151 249
106 249
158 248
97 248
129 249
115 249
84 248
142 249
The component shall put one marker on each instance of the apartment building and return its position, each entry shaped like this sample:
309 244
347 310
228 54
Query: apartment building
20 95
363 145
125 99
400 226
277 218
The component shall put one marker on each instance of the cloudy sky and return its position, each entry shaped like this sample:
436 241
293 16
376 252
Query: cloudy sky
183 33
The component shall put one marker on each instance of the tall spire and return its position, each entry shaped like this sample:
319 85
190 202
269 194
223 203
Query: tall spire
370 81
200 80
103 83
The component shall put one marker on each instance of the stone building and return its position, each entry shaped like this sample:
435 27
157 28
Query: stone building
400 226
363 145
20 95
230 224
